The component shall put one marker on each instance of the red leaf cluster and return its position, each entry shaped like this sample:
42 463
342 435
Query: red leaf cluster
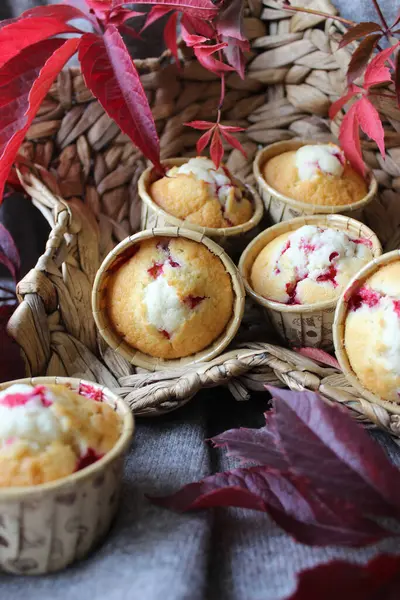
319 475
213 135
31 58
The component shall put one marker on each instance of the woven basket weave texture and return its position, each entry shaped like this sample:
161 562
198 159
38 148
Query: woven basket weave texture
83 177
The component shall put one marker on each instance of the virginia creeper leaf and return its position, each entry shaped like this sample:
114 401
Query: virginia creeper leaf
156 12
379 579
9 254
350 140
216 148
109 72
24 83
376 72
204 54
196 26
338 104
23 33
203 141
203 9
358 31
170 36
320 356
200 124
361 56
370 123
230 20
233 141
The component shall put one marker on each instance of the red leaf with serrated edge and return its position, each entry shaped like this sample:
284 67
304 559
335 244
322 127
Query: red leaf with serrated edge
376 72
320 356
9 254
379 579
11 363
370 123
203 9
109 72
200 125
170 36
361 56
62 12
23 33
359 31
157 12
204 53
338 104
397 78
216 148
199 27
24 83
350 140
203 141
233 142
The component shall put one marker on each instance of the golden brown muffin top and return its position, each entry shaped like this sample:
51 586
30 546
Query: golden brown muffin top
171 299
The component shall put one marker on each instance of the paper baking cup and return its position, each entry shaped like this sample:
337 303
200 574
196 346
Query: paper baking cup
117 342
282 208
302 325
339 327
232 239
46 527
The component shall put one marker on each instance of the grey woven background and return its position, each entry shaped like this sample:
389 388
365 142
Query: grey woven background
152 554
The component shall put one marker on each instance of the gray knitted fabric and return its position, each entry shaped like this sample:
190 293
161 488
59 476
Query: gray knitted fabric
154 554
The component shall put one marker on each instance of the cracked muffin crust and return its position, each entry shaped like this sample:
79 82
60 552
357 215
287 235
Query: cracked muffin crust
171 298
312 264
372 332
199 193
317 175
49 432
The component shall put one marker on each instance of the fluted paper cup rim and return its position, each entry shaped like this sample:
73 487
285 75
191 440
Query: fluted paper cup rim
128 427
265 237
339 322
286 145
145 361
208 231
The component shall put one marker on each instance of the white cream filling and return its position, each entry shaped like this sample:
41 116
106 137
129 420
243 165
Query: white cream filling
31 422
328 158
204 170
314 262
164 308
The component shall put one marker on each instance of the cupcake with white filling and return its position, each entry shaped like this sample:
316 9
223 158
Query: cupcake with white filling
172 298
49 432
372 332
316 175
310 265
199 193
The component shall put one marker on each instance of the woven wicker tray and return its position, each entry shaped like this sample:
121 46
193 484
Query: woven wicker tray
84 177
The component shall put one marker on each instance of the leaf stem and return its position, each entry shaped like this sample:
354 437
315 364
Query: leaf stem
381 15
318 13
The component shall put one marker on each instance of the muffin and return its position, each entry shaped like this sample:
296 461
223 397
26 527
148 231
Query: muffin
309 265
170 298
49 432
316 175
199 193
372 332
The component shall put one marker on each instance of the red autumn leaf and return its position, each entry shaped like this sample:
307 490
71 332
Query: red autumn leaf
376 72
234 53
119 16
320 356
191 39
370 123
203 141
233 141
338 104
11 363
195 26
379 579
9 255
200 124
397 78
230 20
203 9
204 54
170 36
350 140
62 12
23 33
109 72
361 56
24 83
359 31
216 148
156 12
